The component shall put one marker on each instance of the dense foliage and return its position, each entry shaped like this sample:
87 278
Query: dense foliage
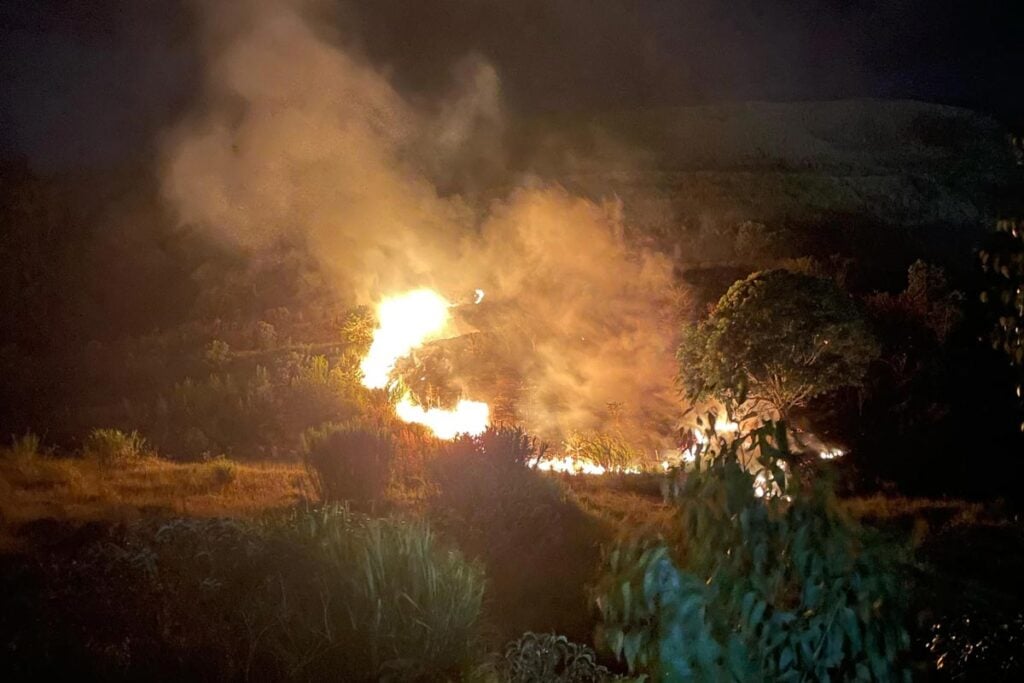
775 587
349 462
776 339
318 595
533 539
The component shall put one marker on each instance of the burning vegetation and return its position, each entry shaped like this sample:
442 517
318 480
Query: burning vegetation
394 324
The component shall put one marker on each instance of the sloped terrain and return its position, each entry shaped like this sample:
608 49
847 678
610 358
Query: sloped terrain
836 170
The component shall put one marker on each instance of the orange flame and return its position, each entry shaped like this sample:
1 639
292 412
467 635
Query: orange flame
406 322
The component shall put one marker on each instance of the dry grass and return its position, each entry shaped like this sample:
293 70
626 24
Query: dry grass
621 500
83 490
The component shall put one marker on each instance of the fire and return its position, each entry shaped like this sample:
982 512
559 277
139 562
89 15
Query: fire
569 465
468 417
406 322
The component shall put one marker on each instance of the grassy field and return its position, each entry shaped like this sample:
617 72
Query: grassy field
73 491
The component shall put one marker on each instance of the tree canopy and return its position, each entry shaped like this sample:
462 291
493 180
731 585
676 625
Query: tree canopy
776 339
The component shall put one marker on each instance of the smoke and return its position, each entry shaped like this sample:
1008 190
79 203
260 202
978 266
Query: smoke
298 143
589 317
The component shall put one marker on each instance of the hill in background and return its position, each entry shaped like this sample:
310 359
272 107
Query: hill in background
836 171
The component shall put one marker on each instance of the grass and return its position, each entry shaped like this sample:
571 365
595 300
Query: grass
81 490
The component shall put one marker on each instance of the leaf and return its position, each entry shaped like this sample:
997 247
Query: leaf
631 647
848 619
758 613
786 658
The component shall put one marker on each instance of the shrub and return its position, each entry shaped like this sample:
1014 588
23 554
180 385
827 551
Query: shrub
217 353
113 447
549 658
226 412
319 391
349 462
534 539
510 445
222 470
772 587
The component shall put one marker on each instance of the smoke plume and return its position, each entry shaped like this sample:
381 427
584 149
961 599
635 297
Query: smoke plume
300 142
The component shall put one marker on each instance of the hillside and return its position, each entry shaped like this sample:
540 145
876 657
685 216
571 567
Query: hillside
834 169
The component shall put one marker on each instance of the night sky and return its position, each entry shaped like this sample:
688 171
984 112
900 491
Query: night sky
93 83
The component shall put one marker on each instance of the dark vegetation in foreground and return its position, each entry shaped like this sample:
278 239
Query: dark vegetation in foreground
460 559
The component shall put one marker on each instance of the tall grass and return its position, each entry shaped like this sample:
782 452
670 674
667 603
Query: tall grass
24 447
409 606
317 595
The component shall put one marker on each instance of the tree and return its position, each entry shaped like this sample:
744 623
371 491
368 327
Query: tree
776 339
748 587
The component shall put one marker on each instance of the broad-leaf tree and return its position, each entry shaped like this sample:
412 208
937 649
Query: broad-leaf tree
776 339
757 577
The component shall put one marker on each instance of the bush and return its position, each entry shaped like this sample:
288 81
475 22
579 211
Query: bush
534 540
112 447
511 446
233 413
771 587
349 462
548 658
222 470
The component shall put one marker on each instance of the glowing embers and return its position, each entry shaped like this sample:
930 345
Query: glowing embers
406 322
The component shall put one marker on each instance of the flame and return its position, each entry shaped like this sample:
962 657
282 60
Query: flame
569 464
406 322
831 453
468 417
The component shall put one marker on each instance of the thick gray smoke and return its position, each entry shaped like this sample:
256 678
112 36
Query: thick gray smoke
298 141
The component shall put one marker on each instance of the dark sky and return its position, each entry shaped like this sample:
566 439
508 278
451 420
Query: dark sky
92 82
